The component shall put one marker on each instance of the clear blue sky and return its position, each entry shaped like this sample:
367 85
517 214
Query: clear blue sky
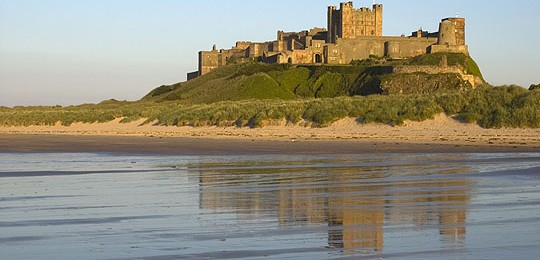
84 51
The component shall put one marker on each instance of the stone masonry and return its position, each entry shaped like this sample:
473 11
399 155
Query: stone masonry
352 34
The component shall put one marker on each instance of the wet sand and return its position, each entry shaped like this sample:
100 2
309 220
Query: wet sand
212 146
367 206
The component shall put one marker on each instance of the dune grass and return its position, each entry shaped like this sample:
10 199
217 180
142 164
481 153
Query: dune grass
490 107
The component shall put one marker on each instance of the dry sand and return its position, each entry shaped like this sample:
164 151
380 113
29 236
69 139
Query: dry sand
441 134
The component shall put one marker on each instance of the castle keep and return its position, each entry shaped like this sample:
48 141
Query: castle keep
352 34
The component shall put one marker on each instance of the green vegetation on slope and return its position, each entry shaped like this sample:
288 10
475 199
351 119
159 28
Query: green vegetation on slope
410 83
234 82
535 87
453 59
283 81
507 106
256 94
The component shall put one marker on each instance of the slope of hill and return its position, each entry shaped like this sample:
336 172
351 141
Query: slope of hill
286 82
256 95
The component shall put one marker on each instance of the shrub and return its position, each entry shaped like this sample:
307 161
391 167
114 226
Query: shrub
452 103
490 107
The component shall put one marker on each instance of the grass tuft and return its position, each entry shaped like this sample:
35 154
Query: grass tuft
490 107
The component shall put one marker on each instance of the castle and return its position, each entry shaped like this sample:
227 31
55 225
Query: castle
352 34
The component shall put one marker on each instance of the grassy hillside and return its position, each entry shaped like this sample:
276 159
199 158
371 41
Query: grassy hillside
286 82
261 81
234 82
254 95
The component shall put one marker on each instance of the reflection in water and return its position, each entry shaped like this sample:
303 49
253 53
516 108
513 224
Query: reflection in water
356 221
378 206
356 201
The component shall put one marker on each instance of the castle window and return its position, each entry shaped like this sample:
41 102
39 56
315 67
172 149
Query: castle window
372 32
318 58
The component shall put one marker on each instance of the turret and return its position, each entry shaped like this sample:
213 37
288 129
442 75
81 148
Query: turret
378 10
452 31
280 35
447 33
331 36
451 36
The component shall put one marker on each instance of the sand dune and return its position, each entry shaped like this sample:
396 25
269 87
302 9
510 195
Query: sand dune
442 129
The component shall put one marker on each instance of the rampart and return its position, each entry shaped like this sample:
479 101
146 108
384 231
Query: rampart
427 69
434 70
347 50
352 34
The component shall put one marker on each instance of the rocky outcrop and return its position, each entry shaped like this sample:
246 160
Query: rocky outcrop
416 79
411 83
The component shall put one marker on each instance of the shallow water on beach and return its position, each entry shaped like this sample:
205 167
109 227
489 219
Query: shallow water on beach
382 206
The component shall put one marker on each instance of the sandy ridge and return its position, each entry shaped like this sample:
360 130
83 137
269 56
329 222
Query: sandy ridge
441 129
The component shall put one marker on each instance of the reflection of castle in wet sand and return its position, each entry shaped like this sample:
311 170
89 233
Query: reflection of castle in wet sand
357 221
355 206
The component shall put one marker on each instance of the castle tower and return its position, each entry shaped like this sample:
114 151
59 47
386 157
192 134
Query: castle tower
452 31
378 10
350 23
447 33
332 25
209 60
347 20
451 36
459 29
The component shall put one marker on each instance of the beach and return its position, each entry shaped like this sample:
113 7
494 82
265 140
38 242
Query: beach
441 134
333 206
424 190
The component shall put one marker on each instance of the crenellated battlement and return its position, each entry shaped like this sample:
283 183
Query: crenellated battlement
352 34
346 5
365 10
349 23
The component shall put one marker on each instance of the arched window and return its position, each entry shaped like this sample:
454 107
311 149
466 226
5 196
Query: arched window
289 61
318 58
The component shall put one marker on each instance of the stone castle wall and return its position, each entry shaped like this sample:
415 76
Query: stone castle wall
353 34
347 50
208 61
434 70
426 69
